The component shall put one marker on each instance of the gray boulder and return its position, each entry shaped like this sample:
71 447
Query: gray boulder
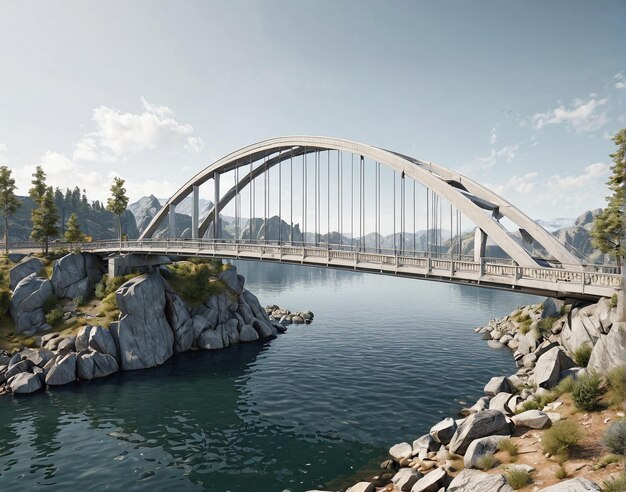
25 382
17 368
67 345
362 487
431 482
574 485
38 357
91 365
23 269
101 340
405 479
29 297
500 402
76 274
82 338
477 425
552 308
550 365
476 481
400 451
579 330
497 385
424 443
231 279
210 340
142 335
610 350
180 321
63 371
263 328
479 448
248 334
533 419
443 431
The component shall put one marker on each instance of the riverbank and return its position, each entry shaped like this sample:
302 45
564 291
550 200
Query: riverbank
501 441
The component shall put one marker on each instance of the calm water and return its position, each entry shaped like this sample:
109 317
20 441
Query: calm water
385 359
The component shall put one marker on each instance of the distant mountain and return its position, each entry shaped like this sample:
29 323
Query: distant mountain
556 224
93 219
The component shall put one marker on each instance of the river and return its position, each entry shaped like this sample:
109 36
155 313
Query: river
384 359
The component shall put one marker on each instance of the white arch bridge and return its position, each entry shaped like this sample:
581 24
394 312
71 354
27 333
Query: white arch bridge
341 204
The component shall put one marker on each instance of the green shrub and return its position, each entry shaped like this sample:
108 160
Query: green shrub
193 281
530 405
617 385
562 436
613 301
54 316
607 460
78 301
582 355
586 392
487 462
615 437
545 325
525 327
508 446
518 479
617 484
5 301
560 473
565 385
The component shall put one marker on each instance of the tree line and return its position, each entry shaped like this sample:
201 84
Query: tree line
52 206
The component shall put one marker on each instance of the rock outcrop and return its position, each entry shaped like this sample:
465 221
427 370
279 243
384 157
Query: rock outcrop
23 269
76 274
476 481
477 425
143 336
27 304
610 350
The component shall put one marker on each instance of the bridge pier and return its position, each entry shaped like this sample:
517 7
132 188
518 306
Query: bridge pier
172 221
125 264
195 211
216 198
480 244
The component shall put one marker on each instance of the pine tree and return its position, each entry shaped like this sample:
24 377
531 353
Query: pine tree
118 202
608 228
8 201
45 220
38 189
73 234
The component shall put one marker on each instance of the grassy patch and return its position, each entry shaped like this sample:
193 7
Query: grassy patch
561 437
560 473
518 479
582 355
617 484
615 437
508 446
487 462
195 282
545 325
617 386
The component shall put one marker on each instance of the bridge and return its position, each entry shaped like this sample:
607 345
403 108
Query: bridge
340 204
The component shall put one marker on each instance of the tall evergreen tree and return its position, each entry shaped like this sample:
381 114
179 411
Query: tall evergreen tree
60 204
118 202
73 234
38 190
608 228
45 220
8 201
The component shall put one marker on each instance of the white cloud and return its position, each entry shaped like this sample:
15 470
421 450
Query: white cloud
493 138
581 116
620 80
592 174
523 184
484 163
119 134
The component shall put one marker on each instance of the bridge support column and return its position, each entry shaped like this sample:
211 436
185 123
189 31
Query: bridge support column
172 221
216 198
195 212
480 244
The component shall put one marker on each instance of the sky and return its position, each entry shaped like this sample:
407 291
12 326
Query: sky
521 96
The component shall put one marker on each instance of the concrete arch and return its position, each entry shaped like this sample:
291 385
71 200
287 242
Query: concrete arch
464 194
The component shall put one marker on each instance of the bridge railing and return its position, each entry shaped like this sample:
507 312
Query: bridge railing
429 264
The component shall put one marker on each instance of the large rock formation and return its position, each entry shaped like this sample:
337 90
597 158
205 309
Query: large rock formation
610 350
27 303
23 269
76 274
476 481
143 336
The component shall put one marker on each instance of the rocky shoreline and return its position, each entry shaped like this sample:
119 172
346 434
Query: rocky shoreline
545 339
154 323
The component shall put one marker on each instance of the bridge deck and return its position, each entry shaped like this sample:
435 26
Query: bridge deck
553 282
